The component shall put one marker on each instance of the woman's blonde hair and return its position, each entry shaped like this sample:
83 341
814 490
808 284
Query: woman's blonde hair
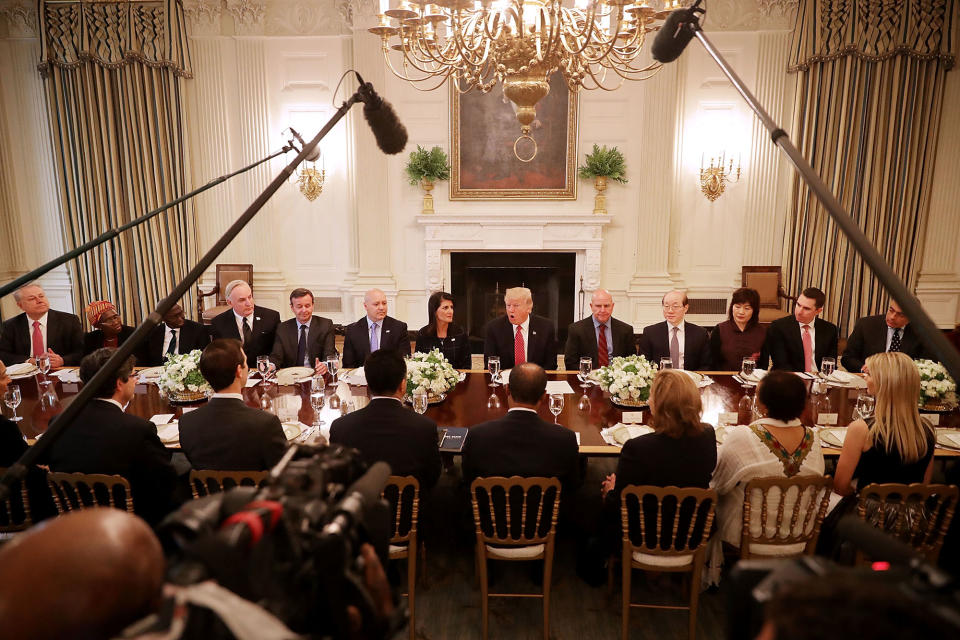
675 404
897 425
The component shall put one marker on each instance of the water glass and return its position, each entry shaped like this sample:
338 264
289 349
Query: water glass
586 366
263 366
865 406
666 363
747 367
828 366
420 401
317 398
556 405
493 366
48 396
43 363
493 402
12 399
333 366
266 402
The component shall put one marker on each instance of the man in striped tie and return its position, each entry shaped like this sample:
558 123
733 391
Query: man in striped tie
520 336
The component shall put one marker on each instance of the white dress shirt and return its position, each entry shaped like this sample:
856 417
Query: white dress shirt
111 401
43 332
228 396
521 409
680 338
168 336
239 319
525 332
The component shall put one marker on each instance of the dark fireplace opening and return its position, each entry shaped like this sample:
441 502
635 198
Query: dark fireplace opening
479 280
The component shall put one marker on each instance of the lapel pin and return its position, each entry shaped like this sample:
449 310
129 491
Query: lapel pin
386 331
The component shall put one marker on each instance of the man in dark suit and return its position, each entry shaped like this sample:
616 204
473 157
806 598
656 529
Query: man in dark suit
304 340
686 344
800 342
40 330
586 337
175 334
385 430
104 439
520 336
225 434
883 332
521 443
255 327
376 330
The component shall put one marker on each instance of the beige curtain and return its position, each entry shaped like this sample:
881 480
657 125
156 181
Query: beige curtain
113 81
870 82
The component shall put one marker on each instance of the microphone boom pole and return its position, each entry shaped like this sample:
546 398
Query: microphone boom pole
18 470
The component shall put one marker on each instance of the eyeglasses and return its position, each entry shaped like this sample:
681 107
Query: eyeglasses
673 307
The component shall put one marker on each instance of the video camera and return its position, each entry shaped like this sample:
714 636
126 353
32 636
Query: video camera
291 547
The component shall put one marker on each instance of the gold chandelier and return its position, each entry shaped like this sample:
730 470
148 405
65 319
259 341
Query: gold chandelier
596 44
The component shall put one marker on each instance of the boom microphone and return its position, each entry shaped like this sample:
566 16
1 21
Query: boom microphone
389 132
676 33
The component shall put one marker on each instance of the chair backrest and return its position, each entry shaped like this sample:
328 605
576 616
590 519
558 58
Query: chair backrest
226 273
15 510
73 491
791 511
203 482
917 514
667 521
403 495
767 282
515 510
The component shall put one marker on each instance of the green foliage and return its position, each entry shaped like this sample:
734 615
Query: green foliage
603 162
430 165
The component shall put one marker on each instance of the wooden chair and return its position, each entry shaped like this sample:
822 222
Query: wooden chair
768 283
516 520
917 514
203 482
665 529
791 513
225 274
403 495
15 510
75 491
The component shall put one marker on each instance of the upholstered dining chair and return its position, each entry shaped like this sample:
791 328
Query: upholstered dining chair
791 511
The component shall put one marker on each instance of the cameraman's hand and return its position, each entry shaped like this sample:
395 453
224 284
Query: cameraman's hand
376 582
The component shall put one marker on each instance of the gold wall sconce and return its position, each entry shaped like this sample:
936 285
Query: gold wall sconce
715 176
310 179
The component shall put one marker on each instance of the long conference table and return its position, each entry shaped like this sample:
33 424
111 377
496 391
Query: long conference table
468 404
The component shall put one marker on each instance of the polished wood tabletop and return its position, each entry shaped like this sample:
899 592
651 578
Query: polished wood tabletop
473 401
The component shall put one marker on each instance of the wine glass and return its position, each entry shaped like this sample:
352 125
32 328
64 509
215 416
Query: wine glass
48 396
666 363
493 366
420 401
827 367
556 405
12 399
865 406
583 404
748 404
747 367
333 366
43 363
493 402
586 366
263 366
317 398
266 402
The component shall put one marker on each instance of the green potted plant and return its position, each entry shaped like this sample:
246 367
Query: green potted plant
601 165
426 167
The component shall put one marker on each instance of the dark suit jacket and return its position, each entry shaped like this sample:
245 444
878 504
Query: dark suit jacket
319 342
582 341
12 444
783 348
264 331
93 340
104 439
386 431
655 344
227 435
192 335
870 336
64 336
522 444
356 341
455 347
541 348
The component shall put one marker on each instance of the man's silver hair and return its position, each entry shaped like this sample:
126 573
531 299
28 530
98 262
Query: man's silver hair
30 285
233 284
521 293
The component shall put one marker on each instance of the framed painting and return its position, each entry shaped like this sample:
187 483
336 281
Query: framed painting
483 128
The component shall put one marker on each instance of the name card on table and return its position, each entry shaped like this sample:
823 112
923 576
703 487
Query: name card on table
69 387
161 418
827 419
932 418
632 417
728 417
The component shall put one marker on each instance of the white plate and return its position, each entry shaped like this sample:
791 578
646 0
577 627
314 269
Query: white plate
948 438
847 379
22 370
293 375
291 430
169 433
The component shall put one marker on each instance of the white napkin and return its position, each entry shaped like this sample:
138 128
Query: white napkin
169 432
357 377
67 375
558 386
847 379
833 435
619 433
952 438
22 369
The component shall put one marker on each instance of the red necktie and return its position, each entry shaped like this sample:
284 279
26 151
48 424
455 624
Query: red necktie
38 349
519 357
603 358
807 350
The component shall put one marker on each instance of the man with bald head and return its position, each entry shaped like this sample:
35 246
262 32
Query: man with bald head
519 336
376 330
254 326
686 344
40 330
601 337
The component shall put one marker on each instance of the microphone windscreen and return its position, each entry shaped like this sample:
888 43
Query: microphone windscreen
387 129
673 36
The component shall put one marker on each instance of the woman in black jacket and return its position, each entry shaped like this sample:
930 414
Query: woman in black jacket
442 334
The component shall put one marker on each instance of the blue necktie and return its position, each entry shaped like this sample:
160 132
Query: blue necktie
374 342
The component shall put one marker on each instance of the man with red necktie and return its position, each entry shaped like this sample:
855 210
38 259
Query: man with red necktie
40 330
520 336
600 336
800 342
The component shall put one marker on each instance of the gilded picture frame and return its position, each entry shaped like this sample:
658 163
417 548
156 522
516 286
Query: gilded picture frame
483 129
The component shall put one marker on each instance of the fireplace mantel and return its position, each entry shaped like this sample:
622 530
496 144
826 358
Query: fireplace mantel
505 231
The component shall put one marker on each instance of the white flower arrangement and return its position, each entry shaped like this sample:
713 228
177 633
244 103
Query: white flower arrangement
181 374
626 378
936 385
430 372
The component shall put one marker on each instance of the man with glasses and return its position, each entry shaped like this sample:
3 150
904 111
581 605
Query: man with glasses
685 344
890 331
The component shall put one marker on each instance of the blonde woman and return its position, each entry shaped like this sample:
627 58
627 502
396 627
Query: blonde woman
896 445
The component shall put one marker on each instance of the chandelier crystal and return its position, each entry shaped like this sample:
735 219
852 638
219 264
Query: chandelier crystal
519 44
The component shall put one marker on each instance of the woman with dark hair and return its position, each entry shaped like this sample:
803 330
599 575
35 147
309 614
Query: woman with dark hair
740 335
440 333
108 327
